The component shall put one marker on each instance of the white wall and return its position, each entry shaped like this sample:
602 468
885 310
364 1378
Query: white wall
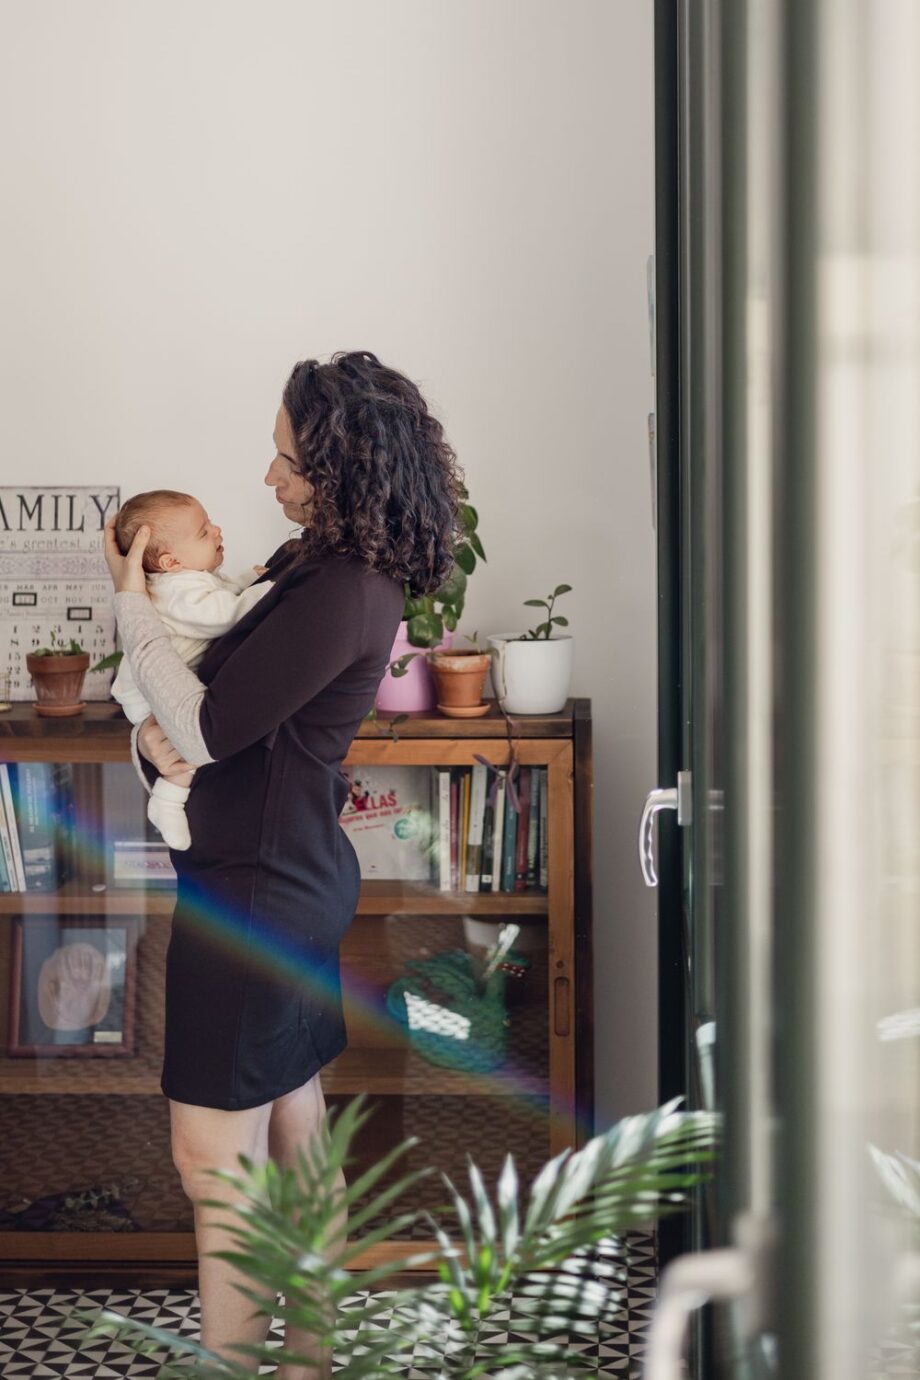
199 192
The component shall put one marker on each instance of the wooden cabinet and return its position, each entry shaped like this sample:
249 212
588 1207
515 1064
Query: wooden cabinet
86 1182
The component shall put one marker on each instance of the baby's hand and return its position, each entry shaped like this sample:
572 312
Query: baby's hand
260 569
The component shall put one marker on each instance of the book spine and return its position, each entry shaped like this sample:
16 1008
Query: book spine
464 827
455 830
5 883
6 785
498 836
444 829
477 823
523 830
544 831
488 843
533 833
509 846
37 828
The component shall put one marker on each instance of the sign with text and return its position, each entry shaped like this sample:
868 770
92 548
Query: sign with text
54 584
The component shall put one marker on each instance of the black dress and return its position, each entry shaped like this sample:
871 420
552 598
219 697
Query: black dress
270 883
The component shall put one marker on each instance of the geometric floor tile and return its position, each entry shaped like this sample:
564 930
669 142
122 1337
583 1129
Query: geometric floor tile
42 1339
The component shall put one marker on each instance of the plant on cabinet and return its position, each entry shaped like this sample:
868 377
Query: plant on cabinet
459 676
58 673
429 623
532 671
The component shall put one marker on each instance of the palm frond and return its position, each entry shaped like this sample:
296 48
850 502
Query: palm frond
560 1247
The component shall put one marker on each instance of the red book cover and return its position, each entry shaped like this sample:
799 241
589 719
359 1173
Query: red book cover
523 830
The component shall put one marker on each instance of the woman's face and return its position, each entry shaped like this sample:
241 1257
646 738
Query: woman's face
292 491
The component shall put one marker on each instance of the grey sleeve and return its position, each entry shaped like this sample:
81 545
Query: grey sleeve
172 690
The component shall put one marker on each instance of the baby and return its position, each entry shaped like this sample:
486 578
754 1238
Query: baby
197 604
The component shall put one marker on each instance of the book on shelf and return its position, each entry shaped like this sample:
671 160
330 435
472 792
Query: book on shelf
11 846
488 842
498 832
452 827
141 862
43 797
533 833
464 826
478 790
5 852
523 829
388 818
509 845
454 831
444 829
543 844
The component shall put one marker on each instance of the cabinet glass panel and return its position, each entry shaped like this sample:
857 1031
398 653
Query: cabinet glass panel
445 980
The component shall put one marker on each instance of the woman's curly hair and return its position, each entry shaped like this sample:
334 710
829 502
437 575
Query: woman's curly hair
386 486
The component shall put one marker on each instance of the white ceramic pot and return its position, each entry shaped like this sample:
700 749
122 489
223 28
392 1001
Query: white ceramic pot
531 677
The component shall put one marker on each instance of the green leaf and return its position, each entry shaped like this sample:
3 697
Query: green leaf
507 1195
476 544
561 589
453 588
469 517
560 621
108 662
536 604
451 619
465 558
413 607
426 630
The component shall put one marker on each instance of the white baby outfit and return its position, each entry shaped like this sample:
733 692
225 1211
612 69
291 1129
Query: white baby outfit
196 606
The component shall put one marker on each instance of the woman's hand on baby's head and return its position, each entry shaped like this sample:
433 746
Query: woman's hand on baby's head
127 572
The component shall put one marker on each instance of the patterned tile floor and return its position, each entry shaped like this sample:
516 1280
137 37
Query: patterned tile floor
40 1339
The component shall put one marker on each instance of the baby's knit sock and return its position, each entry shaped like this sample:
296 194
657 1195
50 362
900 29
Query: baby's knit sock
166 810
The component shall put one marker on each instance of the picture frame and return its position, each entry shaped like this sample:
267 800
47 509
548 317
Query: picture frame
73 982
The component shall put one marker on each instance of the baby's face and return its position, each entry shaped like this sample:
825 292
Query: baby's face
189 540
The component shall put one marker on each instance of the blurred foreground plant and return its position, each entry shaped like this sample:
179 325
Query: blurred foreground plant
557 1248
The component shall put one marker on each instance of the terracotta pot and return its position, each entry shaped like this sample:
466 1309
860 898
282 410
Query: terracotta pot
459 678
58 682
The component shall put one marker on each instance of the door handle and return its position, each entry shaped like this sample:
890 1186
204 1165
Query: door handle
662 798
686 1284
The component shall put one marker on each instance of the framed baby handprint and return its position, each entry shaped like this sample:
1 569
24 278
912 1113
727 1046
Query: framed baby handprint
72 986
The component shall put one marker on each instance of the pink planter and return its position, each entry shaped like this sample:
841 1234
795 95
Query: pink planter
414 690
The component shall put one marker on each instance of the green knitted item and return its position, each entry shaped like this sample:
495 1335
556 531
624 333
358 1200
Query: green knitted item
450 1017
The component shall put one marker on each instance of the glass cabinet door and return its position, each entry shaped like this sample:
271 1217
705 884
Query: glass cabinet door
458 968
84 1128
457 977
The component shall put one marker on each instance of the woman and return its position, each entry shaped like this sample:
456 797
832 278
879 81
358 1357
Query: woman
270 883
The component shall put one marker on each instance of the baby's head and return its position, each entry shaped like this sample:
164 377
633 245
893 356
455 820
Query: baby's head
182 536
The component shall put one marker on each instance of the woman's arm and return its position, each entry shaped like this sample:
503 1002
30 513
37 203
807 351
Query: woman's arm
172 690
313 632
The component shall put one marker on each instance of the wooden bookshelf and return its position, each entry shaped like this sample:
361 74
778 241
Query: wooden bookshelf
538 1100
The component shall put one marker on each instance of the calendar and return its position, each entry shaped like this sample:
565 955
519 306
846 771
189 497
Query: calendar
54 579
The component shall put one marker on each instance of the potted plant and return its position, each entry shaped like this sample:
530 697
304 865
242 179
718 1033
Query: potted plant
429 623
459 675
532 671
558 1247
57 674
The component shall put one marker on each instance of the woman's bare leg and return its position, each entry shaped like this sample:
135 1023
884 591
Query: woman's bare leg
295 1120
202 1139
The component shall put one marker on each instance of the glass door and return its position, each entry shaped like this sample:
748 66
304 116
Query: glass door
788 489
